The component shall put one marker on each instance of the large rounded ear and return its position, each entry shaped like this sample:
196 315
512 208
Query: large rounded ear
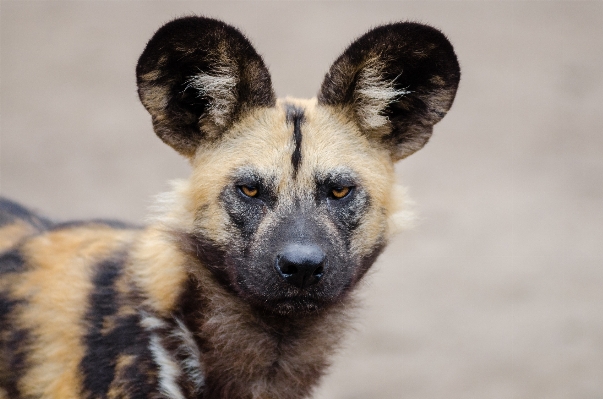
196 77
398 80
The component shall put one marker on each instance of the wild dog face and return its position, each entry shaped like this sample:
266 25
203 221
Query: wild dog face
290 200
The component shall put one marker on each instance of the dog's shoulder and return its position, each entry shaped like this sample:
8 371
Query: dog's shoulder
60 286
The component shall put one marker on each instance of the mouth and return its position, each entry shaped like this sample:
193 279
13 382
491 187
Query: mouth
290 300
300 305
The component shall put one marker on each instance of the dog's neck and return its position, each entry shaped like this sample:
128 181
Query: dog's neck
239 350
255 354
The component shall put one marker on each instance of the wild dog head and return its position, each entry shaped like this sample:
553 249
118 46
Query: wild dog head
290 201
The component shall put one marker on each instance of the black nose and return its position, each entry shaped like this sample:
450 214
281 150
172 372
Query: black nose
301 265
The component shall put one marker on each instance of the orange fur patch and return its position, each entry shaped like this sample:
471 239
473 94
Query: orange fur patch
11 234
56 289
158 268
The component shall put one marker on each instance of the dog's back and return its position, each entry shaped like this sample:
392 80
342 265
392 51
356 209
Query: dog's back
49 274
17 223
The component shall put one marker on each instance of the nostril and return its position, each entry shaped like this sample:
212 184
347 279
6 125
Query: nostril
301 265
288 269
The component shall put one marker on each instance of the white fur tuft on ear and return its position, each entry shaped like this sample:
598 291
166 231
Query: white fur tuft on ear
218 87
373 94
399 80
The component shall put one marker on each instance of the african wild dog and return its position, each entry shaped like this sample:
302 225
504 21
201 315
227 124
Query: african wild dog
241 287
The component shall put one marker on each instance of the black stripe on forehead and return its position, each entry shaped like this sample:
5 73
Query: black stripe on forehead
295 117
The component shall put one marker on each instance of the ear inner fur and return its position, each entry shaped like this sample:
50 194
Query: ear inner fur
399 80
196 77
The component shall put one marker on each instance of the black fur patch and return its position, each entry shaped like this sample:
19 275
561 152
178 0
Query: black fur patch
413 59
295 117
347 212
6 306
210 255
368 260
245 212
13 347
11 262
98 365
114 224
104 345
13 352
11 211
129 338
184 48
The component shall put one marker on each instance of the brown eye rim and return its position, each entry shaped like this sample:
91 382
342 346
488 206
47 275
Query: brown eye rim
249 191
341 192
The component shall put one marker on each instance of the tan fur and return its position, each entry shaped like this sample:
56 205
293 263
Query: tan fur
242 284
56 303
229 324
263 140
244 347
11 234
116 390
157 266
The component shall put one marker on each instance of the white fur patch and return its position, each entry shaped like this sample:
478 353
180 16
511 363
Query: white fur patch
218 86
170 208
403 216
150 323
373 94
188 347
168 369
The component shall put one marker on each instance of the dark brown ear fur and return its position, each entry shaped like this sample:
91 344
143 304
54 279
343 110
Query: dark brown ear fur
399 80
196 76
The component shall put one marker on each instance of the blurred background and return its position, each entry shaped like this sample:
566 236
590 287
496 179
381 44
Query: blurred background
498 291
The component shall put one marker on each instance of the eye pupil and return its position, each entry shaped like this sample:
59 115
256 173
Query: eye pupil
340 192
249 191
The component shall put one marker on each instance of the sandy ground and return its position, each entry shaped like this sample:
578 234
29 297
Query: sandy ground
497 293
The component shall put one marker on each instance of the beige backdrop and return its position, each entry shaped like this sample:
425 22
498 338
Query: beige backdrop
498 293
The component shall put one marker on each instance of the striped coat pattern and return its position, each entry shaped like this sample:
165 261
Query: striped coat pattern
242 284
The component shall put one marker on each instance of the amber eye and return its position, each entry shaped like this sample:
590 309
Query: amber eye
249 191
340 192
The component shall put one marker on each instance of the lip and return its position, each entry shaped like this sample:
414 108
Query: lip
297 305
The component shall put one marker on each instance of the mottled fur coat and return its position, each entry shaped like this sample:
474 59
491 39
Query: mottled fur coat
240 289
